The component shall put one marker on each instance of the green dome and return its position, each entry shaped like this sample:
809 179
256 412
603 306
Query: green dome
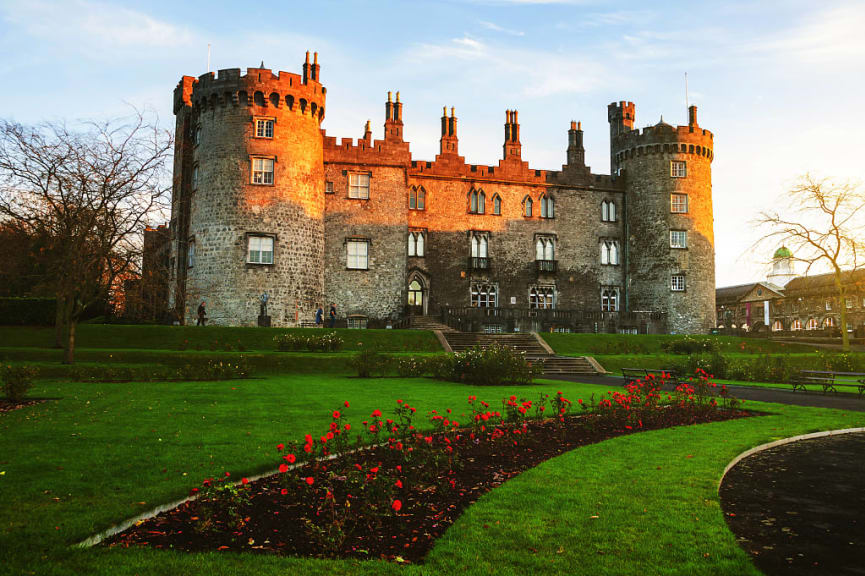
782 252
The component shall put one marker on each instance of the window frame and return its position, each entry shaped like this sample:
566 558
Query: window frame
673 205
190 253
328 187
548 207
678 169
609 252
479 239
483 293
413 237
528 207
547 243
542 297
678 286
348 255
260 236
266 121
477 201
264 173
497 205
610 298
355 190
608 211
681 235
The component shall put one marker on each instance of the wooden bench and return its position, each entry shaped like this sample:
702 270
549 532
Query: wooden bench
632 374
308 324
829 380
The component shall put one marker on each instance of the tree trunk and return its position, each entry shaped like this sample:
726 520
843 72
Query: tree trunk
59 325
69 344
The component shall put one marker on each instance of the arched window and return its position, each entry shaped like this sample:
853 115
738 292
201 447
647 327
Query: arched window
421 198
777 326
796 325
610 299
482 201
548 207
828 322
545 248
479 245
608 211
527 207
497 205
415 293
412 198
484 296
542 297
610 252
416 242
813 324
477 202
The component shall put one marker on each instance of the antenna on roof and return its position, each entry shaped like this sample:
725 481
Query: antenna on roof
208 57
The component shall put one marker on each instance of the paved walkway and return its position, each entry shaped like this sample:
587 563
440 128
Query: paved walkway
761 394
799 508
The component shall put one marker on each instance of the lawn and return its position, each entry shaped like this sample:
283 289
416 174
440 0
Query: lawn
647 344
645 503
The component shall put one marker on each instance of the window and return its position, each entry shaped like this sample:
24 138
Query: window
796 325
848 302
548 207
328 187
608 211
545 248
264 128
477 202
497 205
416 243
677 283
679 203
610 299
828 322
190 254
358 185
484 296
610 252
356 322
415 293
678 239
196 135
812 324
678 169
357 252
195 177
480 244
777 326
828 305
527 207
416 198
262 170
542 297
259 250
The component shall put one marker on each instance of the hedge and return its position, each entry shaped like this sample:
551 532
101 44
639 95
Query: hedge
28 311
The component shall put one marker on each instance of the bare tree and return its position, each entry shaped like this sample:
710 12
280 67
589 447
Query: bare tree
89 191
822 227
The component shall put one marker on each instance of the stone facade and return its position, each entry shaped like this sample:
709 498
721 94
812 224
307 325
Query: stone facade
319 211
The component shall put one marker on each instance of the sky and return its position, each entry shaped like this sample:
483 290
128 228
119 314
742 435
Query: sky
780 84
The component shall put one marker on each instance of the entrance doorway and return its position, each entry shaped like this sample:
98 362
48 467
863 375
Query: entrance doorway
416 299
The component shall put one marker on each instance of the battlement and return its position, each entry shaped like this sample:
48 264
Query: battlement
258 87
365 151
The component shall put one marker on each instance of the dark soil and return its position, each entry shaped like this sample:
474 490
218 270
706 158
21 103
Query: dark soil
8 406
278 524
799 508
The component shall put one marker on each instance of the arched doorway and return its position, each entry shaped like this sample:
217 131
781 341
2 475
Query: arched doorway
417 296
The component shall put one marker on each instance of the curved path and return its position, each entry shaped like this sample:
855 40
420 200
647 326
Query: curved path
799 508
757 393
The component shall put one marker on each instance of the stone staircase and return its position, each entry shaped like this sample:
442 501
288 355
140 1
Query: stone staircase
428 323
527 343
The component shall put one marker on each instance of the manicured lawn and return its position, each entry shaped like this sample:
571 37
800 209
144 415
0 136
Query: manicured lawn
604 344
615 362
193 338
640 504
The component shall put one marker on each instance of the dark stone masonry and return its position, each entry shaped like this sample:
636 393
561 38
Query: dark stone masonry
265 201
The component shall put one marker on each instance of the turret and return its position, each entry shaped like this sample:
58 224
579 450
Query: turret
621 116
449 143
512 147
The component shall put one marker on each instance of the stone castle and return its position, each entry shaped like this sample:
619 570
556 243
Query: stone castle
265 201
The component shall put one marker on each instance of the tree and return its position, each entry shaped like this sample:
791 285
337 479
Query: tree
88 192
822 227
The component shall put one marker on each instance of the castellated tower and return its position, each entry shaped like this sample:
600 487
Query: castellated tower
248 197
669 255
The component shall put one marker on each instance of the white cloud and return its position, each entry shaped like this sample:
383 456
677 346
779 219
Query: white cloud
496 28
94 26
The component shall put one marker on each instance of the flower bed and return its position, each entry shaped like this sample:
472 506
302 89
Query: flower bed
331 497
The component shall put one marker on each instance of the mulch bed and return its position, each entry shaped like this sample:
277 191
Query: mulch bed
276 523
9 406
799 508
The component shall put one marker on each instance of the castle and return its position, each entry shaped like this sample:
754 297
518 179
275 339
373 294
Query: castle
265 201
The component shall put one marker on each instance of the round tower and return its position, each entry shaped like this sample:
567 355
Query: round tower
670 244
255 210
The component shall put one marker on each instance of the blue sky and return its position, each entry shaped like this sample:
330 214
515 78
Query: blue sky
780 84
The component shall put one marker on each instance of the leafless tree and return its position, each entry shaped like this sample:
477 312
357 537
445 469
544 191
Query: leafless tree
89 190
822 226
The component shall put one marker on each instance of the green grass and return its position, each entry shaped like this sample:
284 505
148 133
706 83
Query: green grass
605 344
105 452
189 337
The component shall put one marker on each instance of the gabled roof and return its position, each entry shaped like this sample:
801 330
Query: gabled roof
729 294
821 282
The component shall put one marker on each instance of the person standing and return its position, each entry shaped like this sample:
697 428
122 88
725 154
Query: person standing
202 314
332 314
319 316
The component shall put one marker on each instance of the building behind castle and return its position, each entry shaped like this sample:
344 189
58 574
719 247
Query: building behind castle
265 201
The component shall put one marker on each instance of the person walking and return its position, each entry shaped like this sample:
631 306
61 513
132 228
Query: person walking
332 314
319 316
202 314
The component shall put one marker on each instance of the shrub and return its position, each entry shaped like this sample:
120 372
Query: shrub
370 362
28 311
327 342
17 380
412 367
212 369
690 345
489 366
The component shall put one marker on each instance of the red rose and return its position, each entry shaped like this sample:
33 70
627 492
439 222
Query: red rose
280 446
290 458
346 403
284 491
397 505
244 481
376 413
335 414
348 426
310 480
398 483
283 468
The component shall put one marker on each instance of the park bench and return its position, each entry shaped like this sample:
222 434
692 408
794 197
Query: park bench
308 324
829 380
631 374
